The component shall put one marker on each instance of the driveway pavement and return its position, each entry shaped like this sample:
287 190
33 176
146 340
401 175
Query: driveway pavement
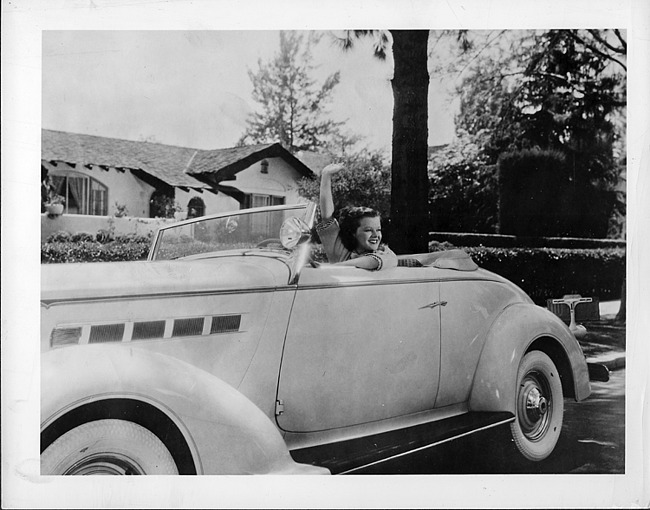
605 340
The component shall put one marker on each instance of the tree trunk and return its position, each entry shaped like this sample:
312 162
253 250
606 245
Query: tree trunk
409 229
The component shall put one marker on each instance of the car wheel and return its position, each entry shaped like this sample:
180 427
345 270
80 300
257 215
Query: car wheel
539 406
108 447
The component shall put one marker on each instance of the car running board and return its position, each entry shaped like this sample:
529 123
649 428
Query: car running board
355 454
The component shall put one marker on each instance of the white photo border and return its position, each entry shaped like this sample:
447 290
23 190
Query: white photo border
22 24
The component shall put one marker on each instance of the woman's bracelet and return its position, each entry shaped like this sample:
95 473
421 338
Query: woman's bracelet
380 262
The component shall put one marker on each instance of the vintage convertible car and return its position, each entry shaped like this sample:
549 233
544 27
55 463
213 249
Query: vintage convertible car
230 350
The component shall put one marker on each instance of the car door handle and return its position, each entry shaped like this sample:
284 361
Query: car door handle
434 304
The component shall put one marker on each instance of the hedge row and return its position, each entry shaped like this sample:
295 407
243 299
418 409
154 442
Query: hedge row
94 251
541 272
505 241
102 236
552 272
551 193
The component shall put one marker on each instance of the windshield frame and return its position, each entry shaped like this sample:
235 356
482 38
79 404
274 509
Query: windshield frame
309 217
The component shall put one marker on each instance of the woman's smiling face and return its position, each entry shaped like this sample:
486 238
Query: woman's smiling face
368 234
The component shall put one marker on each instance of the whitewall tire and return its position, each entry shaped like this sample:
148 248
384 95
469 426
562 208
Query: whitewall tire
108 447
539 406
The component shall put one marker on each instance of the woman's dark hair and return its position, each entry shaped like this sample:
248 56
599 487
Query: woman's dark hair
349 219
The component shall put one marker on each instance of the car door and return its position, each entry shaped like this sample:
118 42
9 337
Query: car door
470 306
361 346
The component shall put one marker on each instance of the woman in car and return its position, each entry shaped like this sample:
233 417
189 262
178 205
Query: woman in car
354 239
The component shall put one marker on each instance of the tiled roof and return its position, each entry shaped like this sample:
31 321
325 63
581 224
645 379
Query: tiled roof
172 165
208 161
165 162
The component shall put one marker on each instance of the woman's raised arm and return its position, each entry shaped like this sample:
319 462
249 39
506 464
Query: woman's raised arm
326 200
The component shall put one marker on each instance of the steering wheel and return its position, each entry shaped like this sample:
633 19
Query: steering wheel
266 242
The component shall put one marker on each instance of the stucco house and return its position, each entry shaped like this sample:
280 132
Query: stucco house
98 176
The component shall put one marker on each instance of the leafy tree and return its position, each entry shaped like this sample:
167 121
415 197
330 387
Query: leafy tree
560 90
409 181
532 88
534 197
463 187
365 180
292 104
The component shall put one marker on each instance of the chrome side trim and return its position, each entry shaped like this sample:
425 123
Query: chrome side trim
366 283
254 290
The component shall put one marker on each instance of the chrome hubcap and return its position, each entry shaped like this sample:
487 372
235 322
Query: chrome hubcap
536 404
105 464
534 407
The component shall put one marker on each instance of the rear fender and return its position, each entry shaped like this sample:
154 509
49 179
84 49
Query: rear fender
522 327
225 431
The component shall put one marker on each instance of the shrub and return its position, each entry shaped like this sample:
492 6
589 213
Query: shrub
544 193
552 272
104 236
134 238
59 237
533 186
81 237
440 246
93 251
463 192
120 210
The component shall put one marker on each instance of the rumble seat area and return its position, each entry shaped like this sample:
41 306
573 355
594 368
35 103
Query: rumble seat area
448 259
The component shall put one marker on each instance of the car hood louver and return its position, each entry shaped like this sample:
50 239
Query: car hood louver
145 330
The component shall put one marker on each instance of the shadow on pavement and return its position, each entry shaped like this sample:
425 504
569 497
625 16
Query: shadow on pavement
592 442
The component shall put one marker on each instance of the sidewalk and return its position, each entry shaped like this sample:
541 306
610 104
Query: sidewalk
605 341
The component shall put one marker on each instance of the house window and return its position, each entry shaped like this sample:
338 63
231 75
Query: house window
83 194
195 208
161 204
255 200
261 223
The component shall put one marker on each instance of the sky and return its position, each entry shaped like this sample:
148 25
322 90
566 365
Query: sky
192 89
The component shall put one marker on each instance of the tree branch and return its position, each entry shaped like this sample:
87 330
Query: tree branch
500 76
620 38
596 50
597 36
476 55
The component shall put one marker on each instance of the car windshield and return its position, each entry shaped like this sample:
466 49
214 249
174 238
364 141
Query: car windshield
240 230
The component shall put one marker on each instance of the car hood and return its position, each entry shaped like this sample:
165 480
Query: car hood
130 279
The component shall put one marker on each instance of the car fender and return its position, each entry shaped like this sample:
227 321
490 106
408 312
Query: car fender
518 328
226 432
